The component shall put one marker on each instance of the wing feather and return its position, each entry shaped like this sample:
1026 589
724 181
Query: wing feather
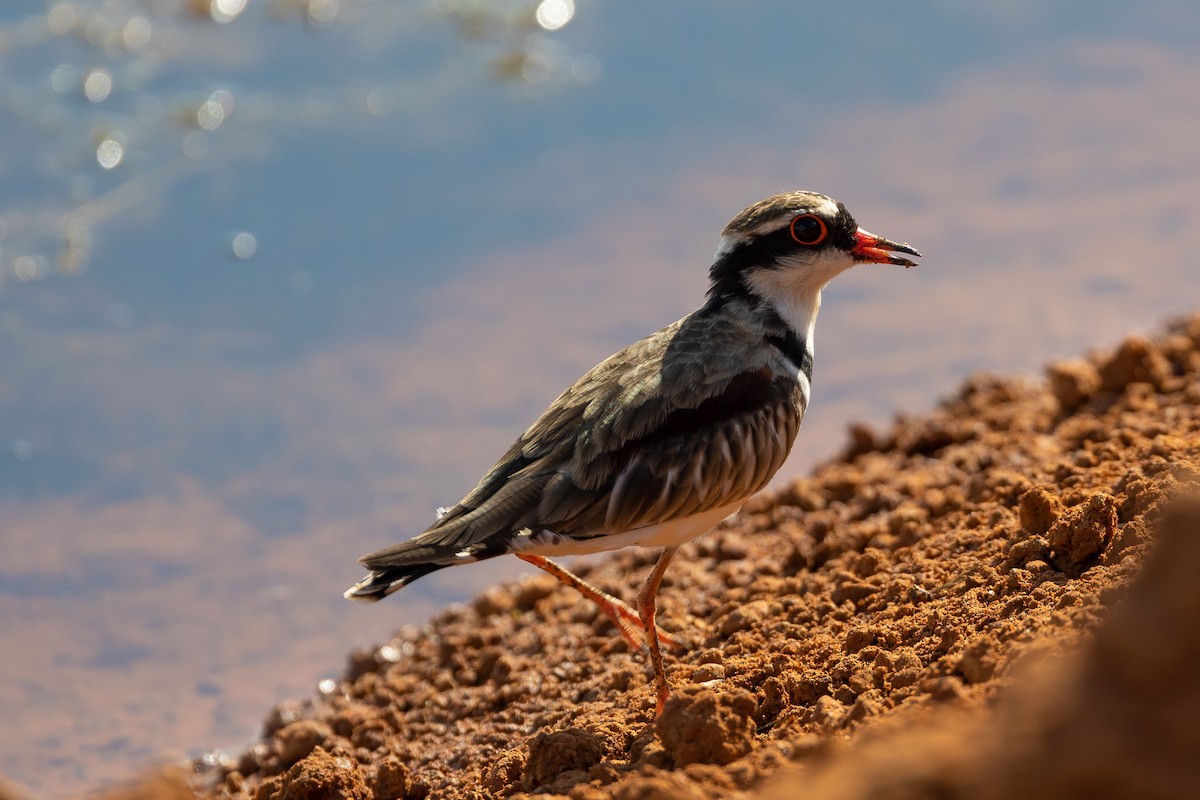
694 417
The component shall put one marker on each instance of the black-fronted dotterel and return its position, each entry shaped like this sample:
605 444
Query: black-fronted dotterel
660 442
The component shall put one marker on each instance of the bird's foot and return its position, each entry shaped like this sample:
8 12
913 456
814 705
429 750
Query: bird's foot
629 623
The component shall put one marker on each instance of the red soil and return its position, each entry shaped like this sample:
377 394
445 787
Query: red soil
997 600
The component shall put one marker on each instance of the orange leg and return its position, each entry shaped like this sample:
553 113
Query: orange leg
646 607
629 622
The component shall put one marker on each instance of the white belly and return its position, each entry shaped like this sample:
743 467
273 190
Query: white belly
663 534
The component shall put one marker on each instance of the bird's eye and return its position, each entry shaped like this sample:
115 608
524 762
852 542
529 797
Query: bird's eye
808 230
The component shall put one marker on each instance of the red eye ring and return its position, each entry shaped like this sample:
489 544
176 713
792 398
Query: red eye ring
808 235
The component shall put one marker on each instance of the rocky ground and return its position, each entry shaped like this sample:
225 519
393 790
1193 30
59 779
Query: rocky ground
995 600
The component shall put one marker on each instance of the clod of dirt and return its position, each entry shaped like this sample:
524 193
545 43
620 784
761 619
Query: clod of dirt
299 739
1073 383
504 773
701 725
392 780
1136 360
1082 532
1039 510
551 754
320 776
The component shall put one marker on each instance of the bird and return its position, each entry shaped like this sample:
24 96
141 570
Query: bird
660 442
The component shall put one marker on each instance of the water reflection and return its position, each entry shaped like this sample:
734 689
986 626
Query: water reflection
149 95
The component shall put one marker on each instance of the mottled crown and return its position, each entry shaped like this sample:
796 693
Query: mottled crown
776 209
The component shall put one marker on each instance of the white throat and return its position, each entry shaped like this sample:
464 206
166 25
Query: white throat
793 290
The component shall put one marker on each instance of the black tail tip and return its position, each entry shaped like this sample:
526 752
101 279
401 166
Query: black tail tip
379 583
367 591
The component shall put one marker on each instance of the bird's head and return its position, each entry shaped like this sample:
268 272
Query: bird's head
786 248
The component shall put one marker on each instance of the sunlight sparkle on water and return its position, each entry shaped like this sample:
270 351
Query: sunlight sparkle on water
244 245
97 85
215 110
226 10
554 14
321 12
64 78
109 153
29 268
380 101
61 18
136 33
210 115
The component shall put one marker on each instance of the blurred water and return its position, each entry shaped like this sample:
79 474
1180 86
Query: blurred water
273 289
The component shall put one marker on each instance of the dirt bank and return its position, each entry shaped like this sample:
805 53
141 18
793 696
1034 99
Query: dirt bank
946 610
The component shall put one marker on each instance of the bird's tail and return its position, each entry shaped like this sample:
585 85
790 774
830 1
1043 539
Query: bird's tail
381 582
395 567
